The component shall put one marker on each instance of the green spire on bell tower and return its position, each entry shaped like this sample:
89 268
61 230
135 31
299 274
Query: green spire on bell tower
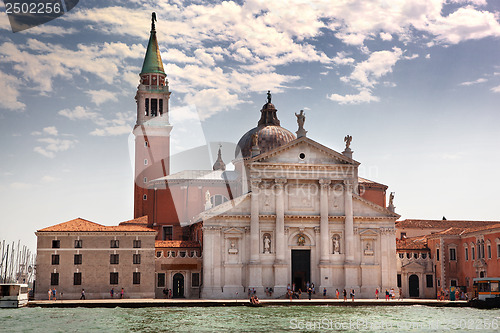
152 60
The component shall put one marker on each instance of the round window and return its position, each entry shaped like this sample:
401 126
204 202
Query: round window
302 156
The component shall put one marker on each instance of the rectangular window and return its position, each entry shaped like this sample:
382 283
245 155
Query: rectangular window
145 197
77 259
78 243
113 278
399 280
145 180
114 259
55 259
145 161
158 254
137 259
160 108
466 254
137 243
161 280
498 250
54 279
146 144
136 277
453 283
439 283
453 254
195 279
56 244
154 107
437 254
77 279
473 253
429 279
489 251
168 232
146 111
114 244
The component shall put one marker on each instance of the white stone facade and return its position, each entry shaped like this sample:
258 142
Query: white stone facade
302 196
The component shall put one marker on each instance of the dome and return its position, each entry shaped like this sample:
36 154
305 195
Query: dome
269 137
270 134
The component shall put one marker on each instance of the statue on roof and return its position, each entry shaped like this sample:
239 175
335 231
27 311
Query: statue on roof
269 96
347 141
301 119
255 140
390 206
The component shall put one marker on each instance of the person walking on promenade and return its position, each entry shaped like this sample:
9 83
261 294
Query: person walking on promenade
122 293
289 294
49 293
314 290
352 294
54 294
170 293
83 294
112 292
400 294
324 292
344 293
309 292
376 293
386 295
337 293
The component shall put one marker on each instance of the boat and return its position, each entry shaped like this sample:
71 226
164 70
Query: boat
486 293
13 295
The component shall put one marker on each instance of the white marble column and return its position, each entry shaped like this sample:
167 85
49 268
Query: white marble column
349 222
279 193
280 266
324 230
254 222
255 268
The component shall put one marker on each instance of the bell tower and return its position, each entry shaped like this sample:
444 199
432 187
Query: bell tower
152 128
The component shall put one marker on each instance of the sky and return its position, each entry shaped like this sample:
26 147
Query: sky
416 84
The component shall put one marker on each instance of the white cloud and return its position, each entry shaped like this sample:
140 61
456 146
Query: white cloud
496 89
211 101
470 83
112 130
51 130
9 98
428 56
20 186
48 179
100 96
385 36
364 96
79 112
378 64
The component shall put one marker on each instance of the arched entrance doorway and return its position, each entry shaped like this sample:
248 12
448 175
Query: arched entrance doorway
178 285
413 286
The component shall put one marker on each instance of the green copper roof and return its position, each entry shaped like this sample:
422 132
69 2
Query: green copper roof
152 60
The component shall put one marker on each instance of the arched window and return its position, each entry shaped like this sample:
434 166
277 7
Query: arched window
218 199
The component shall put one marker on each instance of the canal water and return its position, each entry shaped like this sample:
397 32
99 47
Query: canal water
246 319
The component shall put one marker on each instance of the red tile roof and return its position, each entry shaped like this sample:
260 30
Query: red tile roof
413 243
81 225
176 244
442 224
143 221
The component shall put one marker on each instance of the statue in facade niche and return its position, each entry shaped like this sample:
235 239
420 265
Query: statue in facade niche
301 241
255 140
336 245
267 244
208 203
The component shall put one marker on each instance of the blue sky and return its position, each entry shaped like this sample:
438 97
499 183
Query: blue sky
416 83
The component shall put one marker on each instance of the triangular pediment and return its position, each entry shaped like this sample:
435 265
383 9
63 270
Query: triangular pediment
237 206
363 207
303 151
414 266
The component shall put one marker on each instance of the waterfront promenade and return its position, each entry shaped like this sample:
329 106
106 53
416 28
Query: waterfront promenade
138 303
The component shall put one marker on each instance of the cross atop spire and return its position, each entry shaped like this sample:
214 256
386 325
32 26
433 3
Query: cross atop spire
152 60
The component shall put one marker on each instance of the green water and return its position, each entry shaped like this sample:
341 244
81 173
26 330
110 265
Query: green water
246 319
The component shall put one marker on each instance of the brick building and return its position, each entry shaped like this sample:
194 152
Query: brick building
80 254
